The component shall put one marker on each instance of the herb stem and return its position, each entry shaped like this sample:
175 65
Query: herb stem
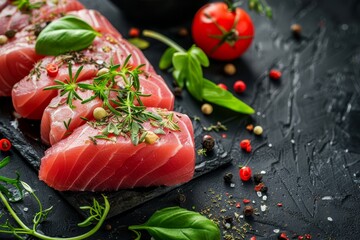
12 212
163 39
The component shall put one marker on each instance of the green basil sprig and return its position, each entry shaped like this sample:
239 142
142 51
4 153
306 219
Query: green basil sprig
187 71
64 35
175 223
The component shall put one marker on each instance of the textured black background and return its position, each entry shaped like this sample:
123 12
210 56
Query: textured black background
311 120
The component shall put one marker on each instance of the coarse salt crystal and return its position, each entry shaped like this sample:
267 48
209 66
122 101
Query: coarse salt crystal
241 216
270 145
276 230
292 141
264 198
259 194
330 219
232 185
327 198
263 172
263 208
26 209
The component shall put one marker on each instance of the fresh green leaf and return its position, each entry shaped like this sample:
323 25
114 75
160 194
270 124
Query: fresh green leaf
175 223
139 42
214 94
64 35
200 55
4 162
166 58
194 80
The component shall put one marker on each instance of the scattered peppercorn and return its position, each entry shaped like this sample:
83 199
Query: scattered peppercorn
253 238
3 39
183 32
296 30
230 69
250 127
228 177
259 186
246 201
181 198
283 236
177 91
238 205
239 86
52 70
257 178
248 210
207 109
300 238
223 86
264 189
279 204
208 143
258 130
108 227
134 32
275 74
10 33
244 144
99 113
5 145
308 236
248 149
245 173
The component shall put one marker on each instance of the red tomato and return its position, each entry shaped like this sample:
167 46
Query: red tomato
221 33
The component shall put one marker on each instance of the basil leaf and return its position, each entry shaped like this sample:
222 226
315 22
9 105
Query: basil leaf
66 34
166 58
175 223
214 94
200 55
188 69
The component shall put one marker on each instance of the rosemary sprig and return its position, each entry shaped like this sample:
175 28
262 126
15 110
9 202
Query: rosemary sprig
97 213
68 87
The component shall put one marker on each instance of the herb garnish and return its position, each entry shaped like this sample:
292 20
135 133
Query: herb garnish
68 87
64 35
127 112
187 71
97 212
26 5
175 223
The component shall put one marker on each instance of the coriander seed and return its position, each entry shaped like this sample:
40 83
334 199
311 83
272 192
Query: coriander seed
151 137
258 130
3 39
207 109
99 113
230 69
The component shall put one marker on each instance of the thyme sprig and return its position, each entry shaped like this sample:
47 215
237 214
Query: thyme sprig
97 212
69 86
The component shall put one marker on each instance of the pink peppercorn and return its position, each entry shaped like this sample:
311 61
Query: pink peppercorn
223 86
239 86
275 74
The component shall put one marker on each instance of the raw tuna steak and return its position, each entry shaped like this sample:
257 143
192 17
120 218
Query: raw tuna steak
80 164
18 56
54 121
29 98
13 19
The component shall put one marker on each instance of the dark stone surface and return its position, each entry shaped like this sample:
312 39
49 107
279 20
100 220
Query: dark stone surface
311 118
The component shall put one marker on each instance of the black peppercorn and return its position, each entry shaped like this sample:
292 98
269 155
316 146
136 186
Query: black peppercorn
248 210
228 177
10 33
264 189
208 143
257 178
181 198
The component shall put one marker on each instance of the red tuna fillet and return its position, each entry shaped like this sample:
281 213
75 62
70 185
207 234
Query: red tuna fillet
29 98
18 56
12 18
78 164
57 113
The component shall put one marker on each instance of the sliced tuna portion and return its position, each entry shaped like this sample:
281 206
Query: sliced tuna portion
18 56
80 164
12 18
59 120
29 98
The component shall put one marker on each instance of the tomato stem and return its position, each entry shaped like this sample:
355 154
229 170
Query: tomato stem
231 5
163 39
